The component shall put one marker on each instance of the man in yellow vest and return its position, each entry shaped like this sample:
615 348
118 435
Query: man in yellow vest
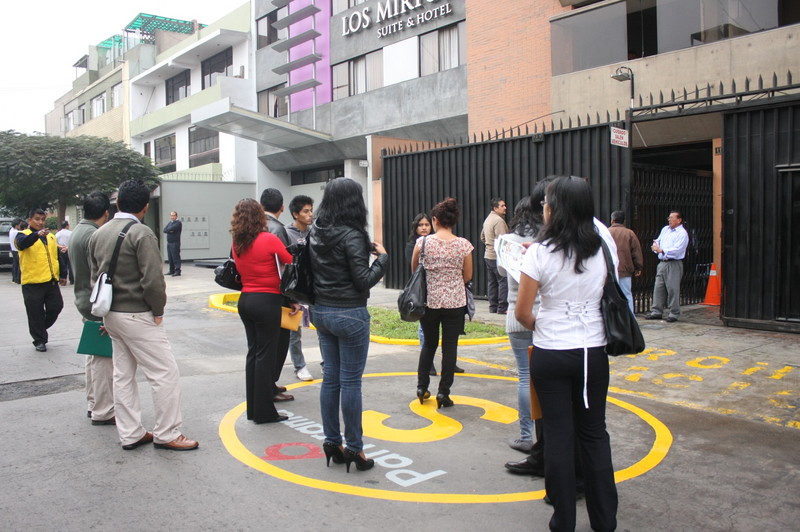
41 275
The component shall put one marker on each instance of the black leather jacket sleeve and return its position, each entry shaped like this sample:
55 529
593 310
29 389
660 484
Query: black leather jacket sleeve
343 274
364 275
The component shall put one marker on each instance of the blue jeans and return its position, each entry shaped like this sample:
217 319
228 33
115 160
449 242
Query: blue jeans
519 345
296 349
625 284
344 341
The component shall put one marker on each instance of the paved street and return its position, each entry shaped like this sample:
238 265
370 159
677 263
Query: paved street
704 427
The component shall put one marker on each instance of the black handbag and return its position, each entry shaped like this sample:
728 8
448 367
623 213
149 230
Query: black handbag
297 280
412 300
227 276
623 336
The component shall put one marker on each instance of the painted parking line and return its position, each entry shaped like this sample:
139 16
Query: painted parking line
662 441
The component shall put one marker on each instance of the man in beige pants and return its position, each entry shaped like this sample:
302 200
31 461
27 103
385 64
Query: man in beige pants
135 324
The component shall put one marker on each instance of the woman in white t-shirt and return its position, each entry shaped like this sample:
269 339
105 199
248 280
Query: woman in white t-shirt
569 367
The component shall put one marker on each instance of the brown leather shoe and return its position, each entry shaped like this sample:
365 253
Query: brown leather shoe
280 389
281 397
147 438
181 443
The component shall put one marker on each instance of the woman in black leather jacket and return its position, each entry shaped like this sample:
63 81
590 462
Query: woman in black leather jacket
340 251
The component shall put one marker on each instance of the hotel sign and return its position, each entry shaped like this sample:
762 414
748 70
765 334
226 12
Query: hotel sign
394 16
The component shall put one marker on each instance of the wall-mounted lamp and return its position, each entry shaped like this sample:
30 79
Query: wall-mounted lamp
624 73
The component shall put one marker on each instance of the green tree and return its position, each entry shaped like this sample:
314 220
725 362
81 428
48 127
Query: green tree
43 171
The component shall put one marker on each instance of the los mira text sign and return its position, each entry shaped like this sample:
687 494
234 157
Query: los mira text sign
619 137
393 16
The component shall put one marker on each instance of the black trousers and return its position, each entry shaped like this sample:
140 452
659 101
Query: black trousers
43 304
558 378
15 271
496 287
174 256
261 315
452 323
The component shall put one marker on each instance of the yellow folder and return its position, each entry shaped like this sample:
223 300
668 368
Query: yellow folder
92 342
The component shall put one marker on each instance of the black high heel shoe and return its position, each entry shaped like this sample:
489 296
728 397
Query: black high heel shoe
362 464
332 452
422 394
443 400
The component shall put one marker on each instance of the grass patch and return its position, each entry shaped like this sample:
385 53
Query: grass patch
387 323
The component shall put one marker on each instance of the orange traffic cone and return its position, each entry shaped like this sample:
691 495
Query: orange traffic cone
713 290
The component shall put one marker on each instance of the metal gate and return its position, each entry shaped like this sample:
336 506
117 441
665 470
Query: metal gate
414 181
761 217
654 192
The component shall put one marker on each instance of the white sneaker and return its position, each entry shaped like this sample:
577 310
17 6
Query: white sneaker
303 374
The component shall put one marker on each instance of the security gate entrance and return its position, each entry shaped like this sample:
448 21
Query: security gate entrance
655 191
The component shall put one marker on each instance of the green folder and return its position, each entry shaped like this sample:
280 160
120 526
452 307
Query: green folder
92 342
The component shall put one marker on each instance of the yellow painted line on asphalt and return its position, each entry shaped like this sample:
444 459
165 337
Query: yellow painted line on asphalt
227 433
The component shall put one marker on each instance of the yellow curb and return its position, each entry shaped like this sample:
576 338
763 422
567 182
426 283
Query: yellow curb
218 301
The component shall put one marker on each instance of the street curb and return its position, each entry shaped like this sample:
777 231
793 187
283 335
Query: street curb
218 301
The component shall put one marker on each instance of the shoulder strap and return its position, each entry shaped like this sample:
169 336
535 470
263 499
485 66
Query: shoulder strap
112 267
422 251
609 262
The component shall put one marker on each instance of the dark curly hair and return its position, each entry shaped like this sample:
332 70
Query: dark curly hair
446 212
247 221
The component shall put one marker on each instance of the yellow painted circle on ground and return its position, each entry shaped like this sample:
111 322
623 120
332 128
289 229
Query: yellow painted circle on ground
227 433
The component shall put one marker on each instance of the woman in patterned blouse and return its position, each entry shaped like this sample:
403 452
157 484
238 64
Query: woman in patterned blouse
448 266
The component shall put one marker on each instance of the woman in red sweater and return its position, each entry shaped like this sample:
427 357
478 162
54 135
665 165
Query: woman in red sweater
256 253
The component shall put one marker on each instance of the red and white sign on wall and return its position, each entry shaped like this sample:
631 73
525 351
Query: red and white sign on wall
619 137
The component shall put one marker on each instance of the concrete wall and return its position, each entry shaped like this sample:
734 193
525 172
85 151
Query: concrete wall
238 20
212 201
593 90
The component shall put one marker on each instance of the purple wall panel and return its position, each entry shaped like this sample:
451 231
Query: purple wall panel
303 100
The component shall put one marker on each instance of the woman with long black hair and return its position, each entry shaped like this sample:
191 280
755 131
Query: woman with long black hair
340 250
567 269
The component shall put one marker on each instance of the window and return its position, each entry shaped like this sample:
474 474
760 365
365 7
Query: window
317 175
203 146
147 150
165 153
178 87
358 75
630 29
216 66
271 105
442 49
116 95
267 34
99 105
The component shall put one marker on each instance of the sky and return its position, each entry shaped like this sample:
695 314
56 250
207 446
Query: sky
41 41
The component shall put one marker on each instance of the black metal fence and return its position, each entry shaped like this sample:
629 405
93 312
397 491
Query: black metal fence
761 216
655 192
473 173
